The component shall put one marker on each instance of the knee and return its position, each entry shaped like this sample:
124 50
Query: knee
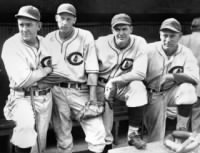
137 94
137 86
186 94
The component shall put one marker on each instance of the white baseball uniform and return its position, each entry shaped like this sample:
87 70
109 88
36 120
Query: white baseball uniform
182 61
192 41
74 58
125 63
20 61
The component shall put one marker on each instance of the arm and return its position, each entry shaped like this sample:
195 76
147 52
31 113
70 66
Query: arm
181 78
92 67
20 73
92 83
138 71
37 75
191 68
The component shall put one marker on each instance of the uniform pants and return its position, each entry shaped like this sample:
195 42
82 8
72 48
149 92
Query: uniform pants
67 104
24 134
155 111
134 94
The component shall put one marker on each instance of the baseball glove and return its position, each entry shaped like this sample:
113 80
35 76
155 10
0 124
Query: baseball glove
183 142
91 110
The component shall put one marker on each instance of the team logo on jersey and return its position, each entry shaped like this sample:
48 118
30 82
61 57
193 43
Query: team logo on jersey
126 64
75 58
46 61
176 69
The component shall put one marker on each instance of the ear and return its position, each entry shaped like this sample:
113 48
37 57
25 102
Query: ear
56 17
74 20
131 27
112 29
39 26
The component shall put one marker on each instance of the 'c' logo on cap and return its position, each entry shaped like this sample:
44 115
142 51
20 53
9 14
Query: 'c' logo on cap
75 58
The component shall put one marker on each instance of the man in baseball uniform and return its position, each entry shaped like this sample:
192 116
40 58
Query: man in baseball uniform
122 64
171 78
29 100
74 56
192 41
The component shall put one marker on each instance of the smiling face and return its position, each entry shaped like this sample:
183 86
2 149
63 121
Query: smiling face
28 29
65 22
169 40
121 34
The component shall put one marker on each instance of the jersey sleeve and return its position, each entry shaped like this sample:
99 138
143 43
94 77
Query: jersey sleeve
15 64
91 62
191 68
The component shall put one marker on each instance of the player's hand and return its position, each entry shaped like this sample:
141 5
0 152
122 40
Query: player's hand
110 90
47 70
109 84
167 81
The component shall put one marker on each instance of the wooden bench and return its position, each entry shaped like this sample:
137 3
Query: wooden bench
6 129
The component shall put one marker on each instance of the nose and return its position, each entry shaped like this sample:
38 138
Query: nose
167 39
64 21
24 28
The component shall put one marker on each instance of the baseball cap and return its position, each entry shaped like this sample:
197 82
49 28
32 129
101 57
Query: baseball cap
66 8
121 18
29 11
171 24
195 24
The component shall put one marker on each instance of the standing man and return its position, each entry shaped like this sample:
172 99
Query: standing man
29 102
172 75
192 41
73 52
122 64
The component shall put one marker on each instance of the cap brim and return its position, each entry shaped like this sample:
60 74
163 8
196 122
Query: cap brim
121 22
169 28
26 16
68 12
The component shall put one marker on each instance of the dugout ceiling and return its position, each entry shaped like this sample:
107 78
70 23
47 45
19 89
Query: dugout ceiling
103 10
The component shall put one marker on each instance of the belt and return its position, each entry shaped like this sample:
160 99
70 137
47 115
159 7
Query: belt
152 90
102 80
37 92
73 85
155 91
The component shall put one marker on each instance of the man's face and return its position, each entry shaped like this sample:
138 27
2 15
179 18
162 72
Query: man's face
122 33
28 29
65 22
169 40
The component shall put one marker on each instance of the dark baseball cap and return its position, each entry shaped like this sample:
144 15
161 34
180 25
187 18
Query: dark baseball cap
30 12
66 8
171 24
121 18
195 24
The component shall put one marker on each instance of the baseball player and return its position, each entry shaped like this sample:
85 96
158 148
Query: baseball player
22 55
192 41
73 53
172 75
122 65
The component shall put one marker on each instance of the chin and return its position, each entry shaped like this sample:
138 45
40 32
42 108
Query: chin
26 38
